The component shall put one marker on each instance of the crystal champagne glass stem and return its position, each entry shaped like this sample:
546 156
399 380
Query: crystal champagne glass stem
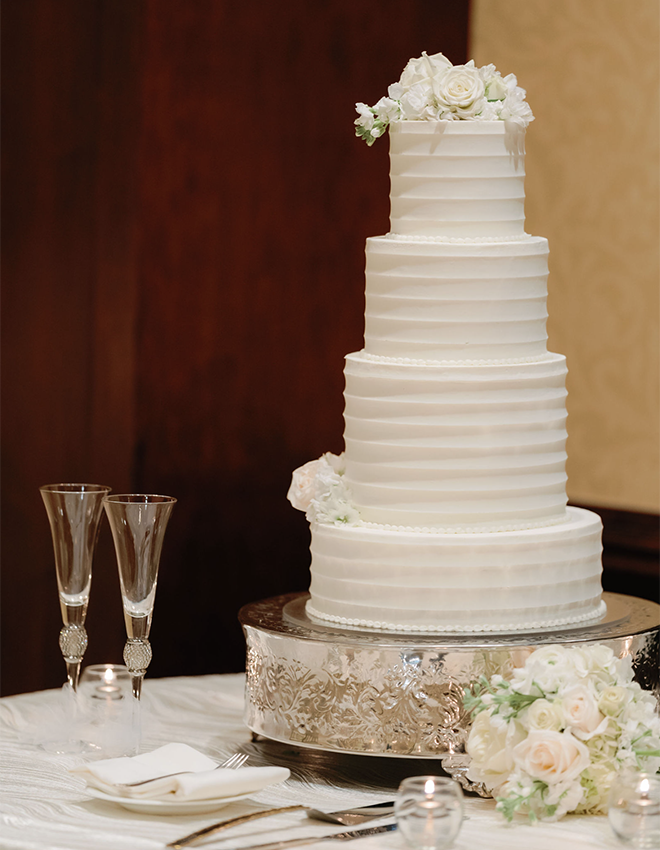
74 512
138 524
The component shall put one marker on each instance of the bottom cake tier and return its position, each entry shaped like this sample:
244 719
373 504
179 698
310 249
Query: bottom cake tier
427 582
355 691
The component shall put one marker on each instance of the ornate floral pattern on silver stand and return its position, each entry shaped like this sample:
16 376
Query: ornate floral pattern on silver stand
355 691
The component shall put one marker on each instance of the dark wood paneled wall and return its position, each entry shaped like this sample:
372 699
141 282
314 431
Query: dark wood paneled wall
185 209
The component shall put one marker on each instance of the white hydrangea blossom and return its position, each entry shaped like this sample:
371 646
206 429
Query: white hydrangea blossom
319 489
552 739
431 88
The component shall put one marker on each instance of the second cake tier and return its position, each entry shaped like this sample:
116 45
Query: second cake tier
456 447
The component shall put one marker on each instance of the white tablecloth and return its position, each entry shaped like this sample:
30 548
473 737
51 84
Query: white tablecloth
44 807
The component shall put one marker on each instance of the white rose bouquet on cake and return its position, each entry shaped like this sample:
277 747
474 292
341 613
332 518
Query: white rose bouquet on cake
552 739
431 88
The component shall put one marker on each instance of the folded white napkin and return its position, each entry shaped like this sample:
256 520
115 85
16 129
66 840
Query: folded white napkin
205 781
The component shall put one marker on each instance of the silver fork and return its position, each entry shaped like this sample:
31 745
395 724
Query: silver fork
233 762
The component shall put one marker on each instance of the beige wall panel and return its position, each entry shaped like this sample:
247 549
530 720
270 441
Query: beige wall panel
590 68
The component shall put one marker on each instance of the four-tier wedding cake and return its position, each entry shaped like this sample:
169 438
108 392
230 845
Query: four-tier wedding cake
447 512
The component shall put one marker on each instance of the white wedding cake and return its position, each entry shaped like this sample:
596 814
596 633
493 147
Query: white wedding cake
447 512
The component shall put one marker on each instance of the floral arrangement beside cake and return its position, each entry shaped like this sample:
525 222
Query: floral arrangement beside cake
553 739
447 511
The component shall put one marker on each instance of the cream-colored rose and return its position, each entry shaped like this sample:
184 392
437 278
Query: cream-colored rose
581 710
460 90
612 700
551 756
303 485
491 750
542 714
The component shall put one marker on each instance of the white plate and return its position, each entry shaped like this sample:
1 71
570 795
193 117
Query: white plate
168 807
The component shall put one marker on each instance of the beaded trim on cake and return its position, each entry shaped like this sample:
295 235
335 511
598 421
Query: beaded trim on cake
465 529
410 361
456 240
533 625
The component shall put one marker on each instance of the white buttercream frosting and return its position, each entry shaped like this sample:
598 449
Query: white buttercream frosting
453 628
456 240
447 511
495 581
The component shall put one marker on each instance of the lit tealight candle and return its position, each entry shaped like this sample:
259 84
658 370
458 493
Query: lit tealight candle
107 690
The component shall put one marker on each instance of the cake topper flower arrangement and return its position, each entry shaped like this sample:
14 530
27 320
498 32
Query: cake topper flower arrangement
431 88
552 739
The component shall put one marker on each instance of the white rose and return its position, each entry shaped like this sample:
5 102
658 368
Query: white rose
422 70
491 750
460 90
581 710
612 700
303 485
542 715
551 757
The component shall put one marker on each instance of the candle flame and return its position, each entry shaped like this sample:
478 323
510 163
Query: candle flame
429 787
108 675
645 786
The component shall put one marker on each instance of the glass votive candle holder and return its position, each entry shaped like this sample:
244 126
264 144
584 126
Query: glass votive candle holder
105 682
104 702
634 809
429 811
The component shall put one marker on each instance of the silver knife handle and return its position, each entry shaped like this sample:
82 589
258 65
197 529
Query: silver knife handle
290 842
194 837
313 839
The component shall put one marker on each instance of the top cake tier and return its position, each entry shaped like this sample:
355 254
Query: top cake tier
454 179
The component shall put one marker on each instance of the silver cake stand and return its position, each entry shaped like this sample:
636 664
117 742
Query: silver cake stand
350 690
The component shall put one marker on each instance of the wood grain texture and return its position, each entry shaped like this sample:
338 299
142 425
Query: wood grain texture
591 70
184 222
256 201
66 321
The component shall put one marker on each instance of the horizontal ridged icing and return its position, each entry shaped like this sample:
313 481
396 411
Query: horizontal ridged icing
458 582
455 413
457 178
432 300
435 446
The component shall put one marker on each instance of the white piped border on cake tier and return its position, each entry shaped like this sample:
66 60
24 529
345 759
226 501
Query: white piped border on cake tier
453 629
457 240
465 529
410 361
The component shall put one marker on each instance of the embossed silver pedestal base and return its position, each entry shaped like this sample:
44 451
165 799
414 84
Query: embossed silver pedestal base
356 691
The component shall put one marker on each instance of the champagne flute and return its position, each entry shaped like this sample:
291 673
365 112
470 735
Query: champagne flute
74 512
138 523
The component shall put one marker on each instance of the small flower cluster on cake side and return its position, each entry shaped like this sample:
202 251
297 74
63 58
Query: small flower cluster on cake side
319 489
432 89
552 739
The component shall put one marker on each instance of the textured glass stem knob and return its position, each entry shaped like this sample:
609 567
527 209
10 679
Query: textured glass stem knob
73 643
137 657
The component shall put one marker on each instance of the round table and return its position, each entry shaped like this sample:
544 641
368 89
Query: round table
44 807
